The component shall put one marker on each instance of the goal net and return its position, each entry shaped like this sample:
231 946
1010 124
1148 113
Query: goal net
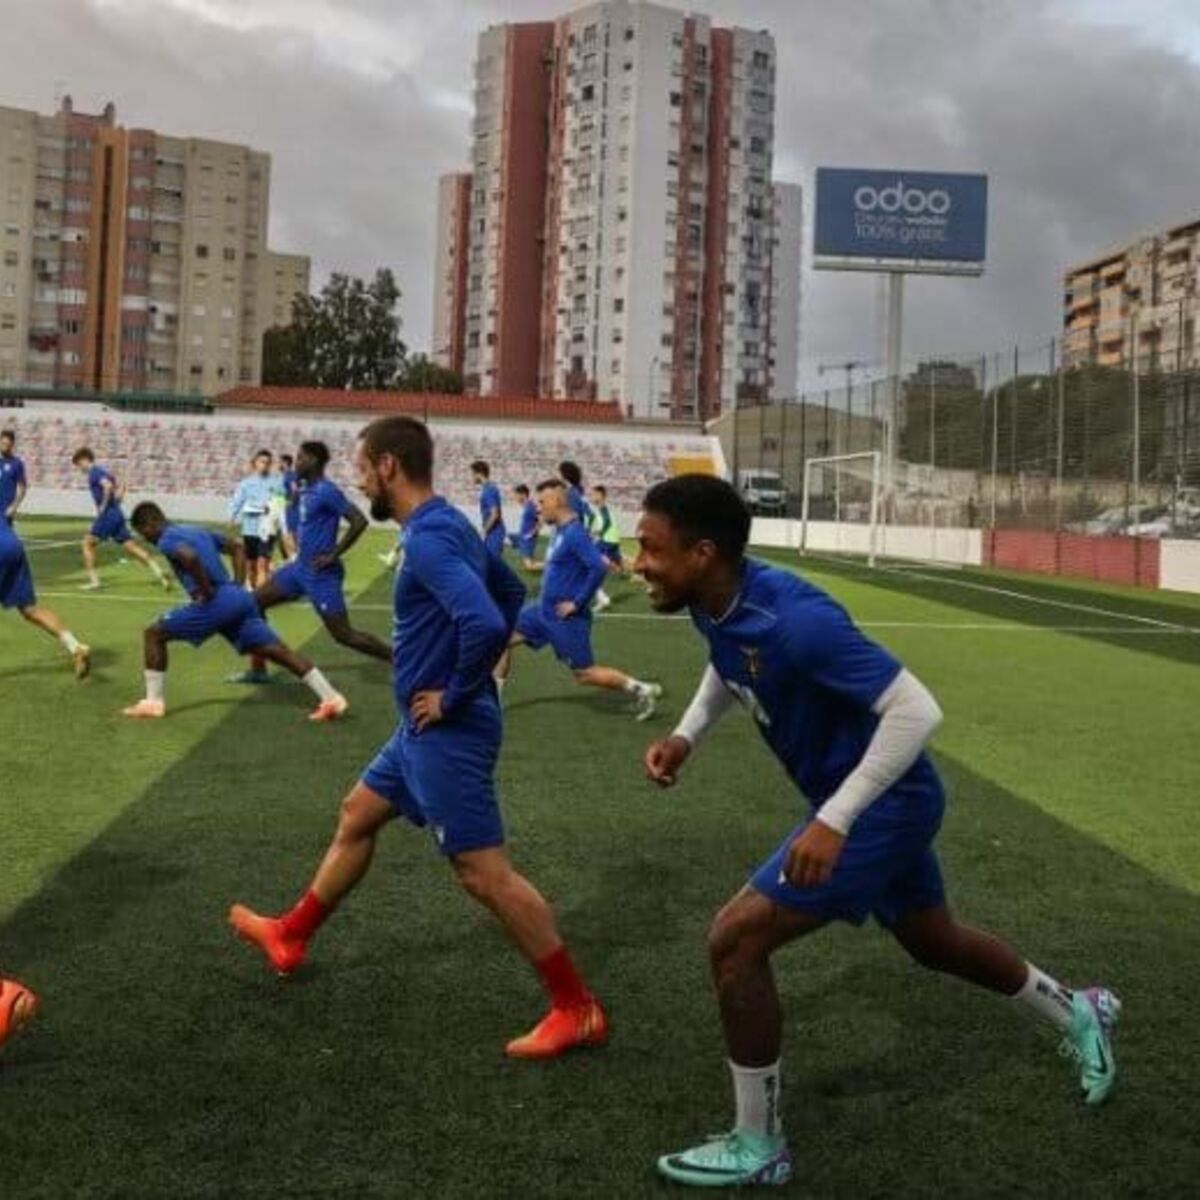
840 505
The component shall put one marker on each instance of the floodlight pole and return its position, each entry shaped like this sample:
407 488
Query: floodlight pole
895 335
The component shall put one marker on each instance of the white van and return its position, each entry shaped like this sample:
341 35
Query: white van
763 491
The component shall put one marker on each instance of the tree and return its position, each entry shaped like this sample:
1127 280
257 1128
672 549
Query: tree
422 374
347 337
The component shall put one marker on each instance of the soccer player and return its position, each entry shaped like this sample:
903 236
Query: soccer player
572 478
525 542
608 538
218 605
491 511
454 607
561 617
249 508
318 572
290 483
17 591
18 1006
849 724
12 478
110 524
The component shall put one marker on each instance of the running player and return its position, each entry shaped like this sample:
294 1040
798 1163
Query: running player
849 724
491 511
562 617
454 607
249 509
12 478
318 572
608 539
572 478
290 484
525 542
218 605
18 1006
17 591
110 524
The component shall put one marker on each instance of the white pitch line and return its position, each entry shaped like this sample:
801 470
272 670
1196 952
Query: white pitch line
35 545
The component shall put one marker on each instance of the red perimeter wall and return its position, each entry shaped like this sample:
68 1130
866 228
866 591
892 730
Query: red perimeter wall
1106 559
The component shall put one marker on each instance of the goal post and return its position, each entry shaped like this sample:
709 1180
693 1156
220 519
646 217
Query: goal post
839 503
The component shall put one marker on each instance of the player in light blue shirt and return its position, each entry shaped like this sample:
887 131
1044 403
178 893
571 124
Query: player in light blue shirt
110 524
250 511
455 605
218 604
13 484
849 724
491 509
561 617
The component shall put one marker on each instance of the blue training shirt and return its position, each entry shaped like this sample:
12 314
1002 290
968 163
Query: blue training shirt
208 547
489 500
791 654
322 506
455 608
529 518
579 505
95 478
574 569
12 474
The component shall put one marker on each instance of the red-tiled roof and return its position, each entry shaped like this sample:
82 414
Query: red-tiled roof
422 404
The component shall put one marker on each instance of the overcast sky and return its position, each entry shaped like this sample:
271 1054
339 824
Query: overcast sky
1084 113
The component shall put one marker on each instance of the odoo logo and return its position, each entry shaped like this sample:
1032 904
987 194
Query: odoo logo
898 198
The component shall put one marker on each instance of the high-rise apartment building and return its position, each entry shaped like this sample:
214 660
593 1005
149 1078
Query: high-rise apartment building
130 260
450 271
281 278
783 307
621 215
1136 304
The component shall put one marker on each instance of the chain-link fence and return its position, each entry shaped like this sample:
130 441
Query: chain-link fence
1007 440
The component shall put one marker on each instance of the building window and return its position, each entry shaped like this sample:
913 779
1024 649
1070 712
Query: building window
619 304
11 258
229 254
201 251
676 99
8 320
196 369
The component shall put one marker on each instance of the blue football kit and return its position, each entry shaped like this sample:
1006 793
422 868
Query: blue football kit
12 475
574 571
231 611
808 675
455 606
322 506
489 503
16 580
110 524
291 508
524 542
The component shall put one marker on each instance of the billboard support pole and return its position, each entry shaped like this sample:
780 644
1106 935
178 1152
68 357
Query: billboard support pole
895 335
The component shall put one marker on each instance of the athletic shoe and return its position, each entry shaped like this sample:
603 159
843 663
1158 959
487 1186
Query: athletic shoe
284 954
17 1008
603 601
81 661
561 1029
90 586
146 709
1095 1013
647 701
737 1159
251 675
330 710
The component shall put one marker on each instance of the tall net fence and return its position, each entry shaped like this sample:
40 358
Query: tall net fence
1012 439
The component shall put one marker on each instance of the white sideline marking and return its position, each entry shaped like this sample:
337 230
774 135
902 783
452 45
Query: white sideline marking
1159 628
37 545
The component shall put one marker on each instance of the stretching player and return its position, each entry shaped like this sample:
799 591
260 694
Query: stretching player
250 508
290 483
491 511
219 604
110 524
318 572
562 616
16 591
18 1006
13 485
608 538
454 607
525 542
572 477
849 724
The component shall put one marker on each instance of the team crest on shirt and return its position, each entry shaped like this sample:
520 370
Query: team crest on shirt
753 662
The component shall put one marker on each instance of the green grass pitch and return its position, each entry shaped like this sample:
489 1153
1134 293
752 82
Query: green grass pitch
167 1062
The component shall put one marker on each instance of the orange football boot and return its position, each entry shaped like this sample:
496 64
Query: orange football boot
284 954
560 1030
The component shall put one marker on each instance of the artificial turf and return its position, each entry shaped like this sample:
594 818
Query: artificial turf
167 1062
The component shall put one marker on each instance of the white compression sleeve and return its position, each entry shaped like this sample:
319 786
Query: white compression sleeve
709 704
908 715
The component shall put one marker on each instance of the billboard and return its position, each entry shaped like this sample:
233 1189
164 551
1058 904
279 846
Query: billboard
910 220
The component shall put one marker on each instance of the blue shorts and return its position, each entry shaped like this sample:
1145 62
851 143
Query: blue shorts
323 588
611 552
494 542
570 637
111 526
291 518
888 869
526 547
231 612
444 777
16 579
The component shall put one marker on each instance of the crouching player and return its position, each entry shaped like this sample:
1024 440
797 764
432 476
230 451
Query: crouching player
219 605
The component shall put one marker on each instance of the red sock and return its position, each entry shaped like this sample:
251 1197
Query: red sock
257 662
562 981
306 918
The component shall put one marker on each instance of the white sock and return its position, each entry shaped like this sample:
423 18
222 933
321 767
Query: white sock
758 1104
1047 997
602 595
319 684
93 576
156 682
158 571
69 640
499 684
635 687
